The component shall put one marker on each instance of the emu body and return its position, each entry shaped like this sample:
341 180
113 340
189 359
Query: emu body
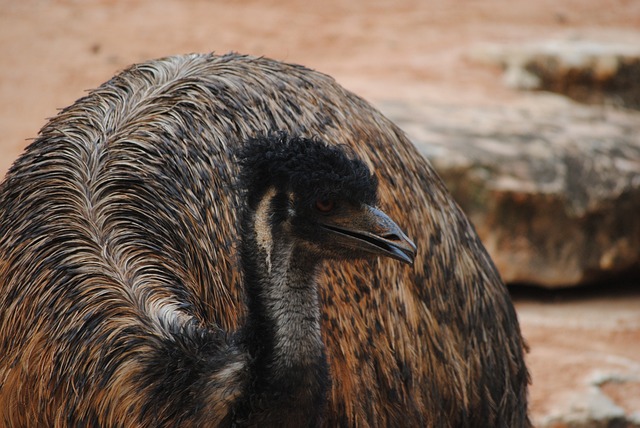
118 250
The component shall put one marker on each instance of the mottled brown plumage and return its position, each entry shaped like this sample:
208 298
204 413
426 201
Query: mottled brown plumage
118 235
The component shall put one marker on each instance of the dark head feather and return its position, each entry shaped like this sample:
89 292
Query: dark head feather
310 168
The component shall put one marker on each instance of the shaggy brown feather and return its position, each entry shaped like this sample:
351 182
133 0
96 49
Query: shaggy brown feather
118 229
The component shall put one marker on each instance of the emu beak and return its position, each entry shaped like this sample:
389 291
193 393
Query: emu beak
371 230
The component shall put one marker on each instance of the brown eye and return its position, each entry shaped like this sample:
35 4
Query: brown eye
325 205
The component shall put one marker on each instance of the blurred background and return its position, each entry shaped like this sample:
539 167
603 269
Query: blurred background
530 111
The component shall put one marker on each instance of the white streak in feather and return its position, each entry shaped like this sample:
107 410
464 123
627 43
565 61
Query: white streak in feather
262 226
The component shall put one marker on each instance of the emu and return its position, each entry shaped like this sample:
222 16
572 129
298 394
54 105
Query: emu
118 249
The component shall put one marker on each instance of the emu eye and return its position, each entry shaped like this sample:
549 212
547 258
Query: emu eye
325 205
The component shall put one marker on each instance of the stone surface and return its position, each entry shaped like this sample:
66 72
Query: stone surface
586 70
552 187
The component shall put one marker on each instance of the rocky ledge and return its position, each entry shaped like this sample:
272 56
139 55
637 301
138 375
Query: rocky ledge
552 186
587 70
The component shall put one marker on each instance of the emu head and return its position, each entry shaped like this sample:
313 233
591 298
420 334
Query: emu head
324 200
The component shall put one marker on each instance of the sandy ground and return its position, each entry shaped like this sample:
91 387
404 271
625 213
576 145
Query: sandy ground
52 51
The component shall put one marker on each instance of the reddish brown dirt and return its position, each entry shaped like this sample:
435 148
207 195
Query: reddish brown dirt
583 342
54 50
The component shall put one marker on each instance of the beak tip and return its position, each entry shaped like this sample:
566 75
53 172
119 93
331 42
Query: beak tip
411 259
405 253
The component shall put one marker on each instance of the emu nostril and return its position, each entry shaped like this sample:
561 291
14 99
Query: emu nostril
392 237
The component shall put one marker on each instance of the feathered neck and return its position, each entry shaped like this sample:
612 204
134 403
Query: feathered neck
282 332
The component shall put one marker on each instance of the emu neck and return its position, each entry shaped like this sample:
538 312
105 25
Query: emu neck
284 313
292 304
282 334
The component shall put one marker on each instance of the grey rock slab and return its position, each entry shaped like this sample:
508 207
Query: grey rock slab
585 69
552 186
